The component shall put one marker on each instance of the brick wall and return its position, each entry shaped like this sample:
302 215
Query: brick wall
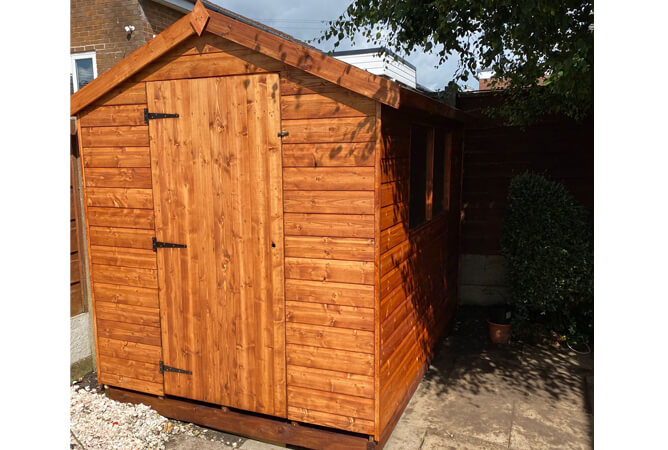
99 25
158 17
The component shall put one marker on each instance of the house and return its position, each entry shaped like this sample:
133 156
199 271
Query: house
270 230
105 31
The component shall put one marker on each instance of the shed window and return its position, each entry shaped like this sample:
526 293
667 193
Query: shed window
418 175
442 143
84 70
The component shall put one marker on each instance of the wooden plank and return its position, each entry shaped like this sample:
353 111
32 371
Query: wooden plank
129 350
303 58
392 236
130 383
121 217
75 268
121 256
395 256
395 192
342 404
117 115
259 427
124 94
359 272
329 155
392 300
117 157
133 136
328 178
206 43
376 269
393 214
341 202
119 177
298 82
127 313
400 274
210 65
76 303
152 50
329 337
330 315
330 420
121 237
394 170
331 381
126 295
352 249
138 370
130 332
344 129
329 359
317 106
333 225
126 276
120 197
330 293
74 243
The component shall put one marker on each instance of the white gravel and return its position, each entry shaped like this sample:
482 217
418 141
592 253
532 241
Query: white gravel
97 422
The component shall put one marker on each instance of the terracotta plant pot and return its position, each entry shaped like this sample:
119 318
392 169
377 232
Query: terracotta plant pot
499 333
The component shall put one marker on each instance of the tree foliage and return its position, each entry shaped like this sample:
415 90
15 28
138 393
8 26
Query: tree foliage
543 51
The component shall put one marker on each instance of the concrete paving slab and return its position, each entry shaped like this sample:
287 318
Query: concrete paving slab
434 441
480 395
540 426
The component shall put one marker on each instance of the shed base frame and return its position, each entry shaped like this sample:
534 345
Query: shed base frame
247 424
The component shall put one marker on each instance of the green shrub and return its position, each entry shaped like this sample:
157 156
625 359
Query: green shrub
548 246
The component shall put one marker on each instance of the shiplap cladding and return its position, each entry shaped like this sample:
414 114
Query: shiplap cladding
120 223
328 182
418 267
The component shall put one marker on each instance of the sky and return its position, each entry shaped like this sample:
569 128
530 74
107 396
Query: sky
304 19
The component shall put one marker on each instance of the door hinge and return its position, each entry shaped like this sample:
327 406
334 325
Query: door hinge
149 115
284 133
157 244
164 368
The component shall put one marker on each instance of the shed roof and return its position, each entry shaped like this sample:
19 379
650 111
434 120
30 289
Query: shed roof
267 41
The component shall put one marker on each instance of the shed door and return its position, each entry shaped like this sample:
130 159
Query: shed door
218 189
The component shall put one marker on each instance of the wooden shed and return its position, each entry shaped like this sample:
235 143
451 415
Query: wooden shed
272 233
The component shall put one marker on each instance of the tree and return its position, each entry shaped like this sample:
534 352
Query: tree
542 52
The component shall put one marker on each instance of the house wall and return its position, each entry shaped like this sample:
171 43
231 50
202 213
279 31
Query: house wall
98 25
561 149
329 204
418 268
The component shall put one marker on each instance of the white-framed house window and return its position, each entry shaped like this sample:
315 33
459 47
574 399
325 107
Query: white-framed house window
84 70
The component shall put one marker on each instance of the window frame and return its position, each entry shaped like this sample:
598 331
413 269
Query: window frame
73 66
430 213
448 138
429 167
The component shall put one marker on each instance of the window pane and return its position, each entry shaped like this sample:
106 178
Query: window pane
84 71
418 180
439 171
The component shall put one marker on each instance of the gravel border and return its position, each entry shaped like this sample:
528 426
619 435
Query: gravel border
99 423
